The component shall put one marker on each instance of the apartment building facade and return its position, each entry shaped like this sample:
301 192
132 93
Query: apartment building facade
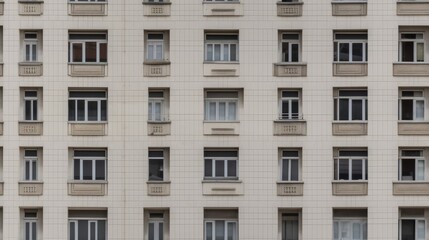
214 119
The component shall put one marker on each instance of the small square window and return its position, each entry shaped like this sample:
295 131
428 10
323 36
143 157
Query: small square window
290 165
158 105
32 163
290 104
350 46
88 47
90 164
220 224
351 164
87 105
350 105
350 223
156 224
221 164
157 45
221 47
290 46
85 223
31 42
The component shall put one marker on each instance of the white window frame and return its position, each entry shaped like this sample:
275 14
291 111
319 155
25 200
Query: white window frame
152 101
294 218
34 101
416 159
350 159
33 44
290 43
351 42
415 42
31 160
217 101
155 43
86 110
156 222
350 99
290 100
226 221
225 162
93 164
72 42
351 220
290 159
90 220
222 44
415 100
164 167
418 219
30 221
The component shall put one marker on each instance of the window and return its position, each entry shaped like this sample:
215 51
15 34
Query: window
221 164
290 101
290 165
290 46
30 105
221 47
350 47
89 165
290 224
220 224
88 106
351 105
158 164
157 222
158 105
412 47
221 105
412 223
30 221
351 165
350 224
157 46
411 105
87 225
31 46
86 47
411 165
30 165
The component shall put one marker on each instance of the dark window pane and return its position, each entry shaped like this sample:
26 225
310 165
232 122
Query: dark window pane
407 109
290 154
357 170
87 170
233 56
103 52
351 36
94 153
412 153
285 109
221 37
27 170
27 110
92 111
30 93
294 170
92 231
285 52
408 230
335 51
80 110
209 231
208 168
30 153
285 170
34 110
344 52
344 109
293 94
152 231
219 230
76 170
344 169
408 169
103 110
156 169
407 51
72 230
100 170
161 231
357 112
87 94
101 230
156 154
82 230
220 153
219 168
34 170
232 168
87 36
295 111
353 93
27 231
72 110
295 53
77 52
34 231
357 50
91 51
353 153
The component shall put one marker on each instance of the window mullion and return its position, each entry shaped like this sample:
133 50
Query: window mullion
97 47
214 168
93 169
350 52
289 169
81 169
83 52
225 168
350 168
350 109
364 117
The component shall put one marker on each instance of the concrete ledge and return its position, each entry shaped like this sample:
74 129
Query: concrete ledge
290 188
30 188
30 128
222 9
159 128
410 188
290 69
413 128
87 9
221 69
158 188
412 8
411 69
157 9
87 188
349 128
156 69
221 128
290 127
32 69
1 7
350 69
223 188
349 188
31 8
289 9
87 129
349 8
87 70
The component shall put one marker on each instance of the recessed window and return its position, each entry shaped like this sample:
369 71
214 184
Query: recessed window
31 45
158 164
220 224
221 105
221 47
88 106
157 224
351 105
31 104
412 105
290 165
350 47
351 165
157 45
220 164
87 224
290 221
412 224
32 221
88 47
290 104
350 224
158 105
412 47
31 165
89 165
290 46
411 165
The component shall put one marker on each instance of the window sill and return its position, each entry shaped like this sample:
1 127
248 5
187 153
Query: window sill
30 188
290 127
87 187
223 187
87 128
221 128
87 8
350 188
156 68
87 181
349 128
290 188
87 69
158 188
417 69
350 69
292 69
411 188
349 8
30 127
413 128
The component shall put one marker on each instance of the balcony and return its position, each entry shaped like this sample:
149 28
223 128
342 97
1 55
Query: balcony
290 127
410 188
341 69
349 128
30 8
222 188
30 69
222 8
215 69
30 128
87 69
161 128
88 129
350 188
221 128
413 128
158 188
156 69
410 69
27 188
290 69
156 8
289 9
87 8
349 8
87 188
412 8
290 188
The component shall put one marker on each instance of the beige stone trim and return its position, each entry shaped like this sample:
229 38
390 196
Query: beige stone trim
350 69
32 8
350 188
223 188
290 188
411 69
410 188
87 129
30 128
158 188
156 69
157 9
349 128
290 69
159 128
87 188
349 8
30 188
87 70
87 9
412 8
292 9
32 69
221 128
413 128
293 127
222 9
221 69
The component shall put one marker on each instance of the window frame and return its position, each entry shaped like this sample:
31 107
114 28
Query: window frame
88 1
90 220
84 42
217 101
416 220
156 222
338 97
155 42
86 109
296 217
290 116
34 104
415 100
290 43
163 101
416 159
225 161
222 44
93 160
352 220
33 47
226 222
33 161
415 42
282 158
351 158
165 164
350 42
32 225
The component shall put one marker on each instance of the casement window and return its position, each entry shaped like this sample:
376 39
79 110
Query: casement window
350 47
31 105
221 164
158 105
290 226
350 229
290 46
158 164
412 165
89 165
220 224
351 105
290 162
155 46
156 226
221 105
221 47
290 101
411 105
30 224
87 225
412 47
31 46
30 165
351 165
88 106
412 229
86 47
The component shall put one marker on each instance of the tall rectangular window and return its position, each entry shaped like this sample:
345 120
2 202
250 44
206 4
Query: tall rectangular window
30 45
221 105
290 102
87 225
290 226
290 165
88 106
157 164
30 105
221 47
155 46
350 47
88 47
411 105
30 165
158 105
30 224
351 105
412 47
220 164
89 165
290 46
351 165
220 224
350 224
412 165
156 226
